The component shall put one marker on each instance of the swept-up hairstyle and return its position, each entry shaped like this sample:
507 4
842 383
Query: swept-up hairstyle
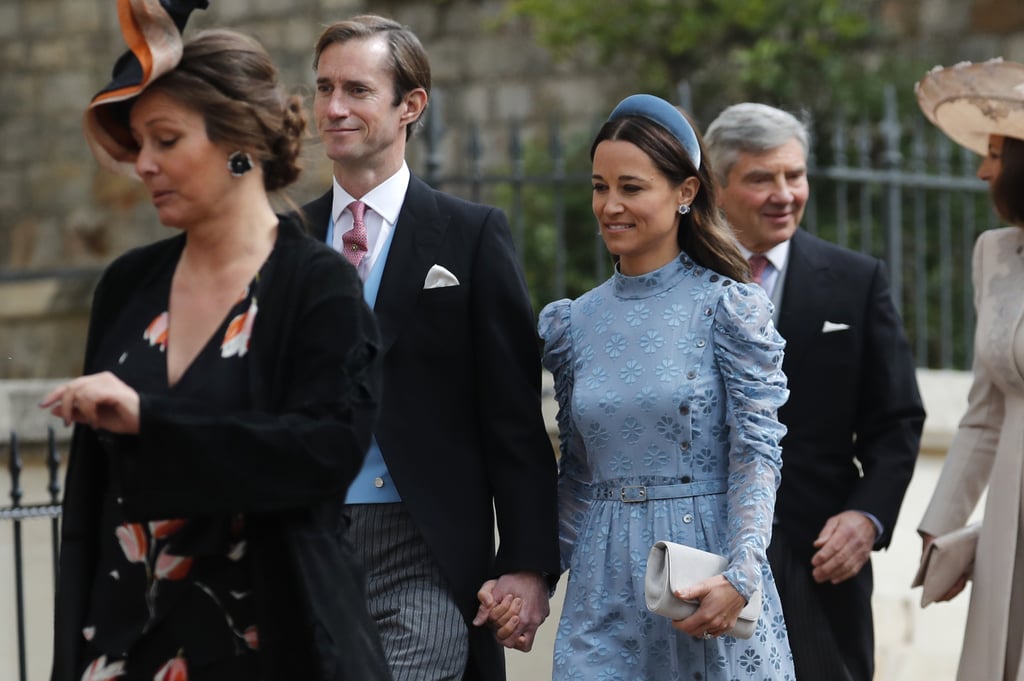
702 233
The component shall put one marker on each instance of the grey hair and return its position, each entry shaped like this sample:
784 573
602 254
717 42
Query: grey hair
753 129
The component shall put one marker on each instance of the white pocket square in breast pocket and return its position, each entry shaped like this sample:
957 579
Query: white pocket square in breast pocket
829 327
439 277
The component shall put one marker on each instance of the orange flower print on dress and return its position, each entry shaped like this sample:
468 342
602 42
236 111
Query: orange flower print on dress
99 670
161 529
171 567
156 332
236 339
175 669
133 541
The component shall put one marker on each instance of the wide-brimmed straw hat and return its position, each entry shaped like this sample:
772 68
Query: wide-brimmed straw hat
152 30
970 101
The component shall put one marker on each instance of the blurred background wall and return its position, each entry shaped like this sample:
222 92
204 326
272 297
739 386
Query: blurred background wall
494 62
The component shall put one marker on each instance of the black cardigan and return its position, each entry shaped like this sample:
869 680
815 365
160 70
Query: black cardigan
314 382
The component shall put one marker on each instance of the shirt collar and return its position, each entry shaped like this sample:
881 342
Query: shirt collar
777 255
385 199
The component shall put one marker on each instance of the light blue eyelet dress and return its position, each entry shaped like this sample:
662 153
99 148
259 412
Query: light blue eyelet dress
667 378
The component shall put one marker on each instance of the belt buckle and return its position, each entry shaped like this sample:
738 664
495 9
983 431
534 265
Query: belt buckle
632 494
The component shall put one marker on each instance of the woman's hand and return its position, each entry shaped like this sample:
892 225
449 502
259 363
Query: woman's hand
720 606
958 586
102 401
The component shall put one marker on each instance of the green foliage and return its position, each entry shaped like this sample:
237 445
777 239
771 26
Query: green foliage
822 58
555 192
790 53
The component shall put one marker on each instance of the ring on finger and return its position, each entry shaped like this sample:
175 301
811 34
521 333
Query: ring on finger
707 635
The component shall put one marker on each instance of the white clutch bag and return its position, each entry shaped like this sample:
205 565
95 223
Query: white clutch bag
948 557
672 567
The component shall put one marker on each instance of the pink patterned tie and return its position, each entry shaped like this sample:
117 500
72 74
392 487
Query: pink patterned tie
758 263
354 240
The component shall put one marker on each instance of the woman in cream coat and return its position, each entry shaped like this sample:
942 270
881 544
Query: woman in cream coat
981 106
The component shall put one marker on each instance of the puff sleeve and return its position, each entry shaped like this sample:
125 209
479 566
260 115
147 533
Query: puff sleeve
555 328
748 353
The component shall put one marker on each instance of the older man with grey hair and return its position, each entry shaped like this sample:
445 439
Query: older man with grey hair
854 415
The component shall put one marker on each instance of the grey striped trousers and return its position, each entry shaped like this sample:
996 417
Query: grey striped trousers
423 633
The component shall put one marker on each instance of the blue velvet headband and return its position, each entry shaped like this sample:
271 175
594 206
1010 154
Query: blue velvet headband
664 114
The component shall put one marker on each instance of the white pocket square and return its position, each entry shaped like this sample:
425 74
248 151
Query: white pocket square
829 327
439 277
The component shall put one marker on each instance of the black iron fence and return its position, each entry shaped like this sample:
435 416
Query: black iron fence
17 514
891 187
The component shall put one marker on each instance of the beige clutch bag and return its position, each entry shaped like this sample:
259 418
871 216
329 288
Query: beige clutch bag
671 567
948 557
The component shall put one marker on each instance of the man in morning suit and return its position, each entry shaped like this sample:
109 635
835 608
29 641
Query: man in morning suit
460 438
854 415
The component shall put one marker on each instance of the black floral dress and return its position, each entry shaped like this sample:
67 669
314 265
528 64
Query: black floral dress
171 600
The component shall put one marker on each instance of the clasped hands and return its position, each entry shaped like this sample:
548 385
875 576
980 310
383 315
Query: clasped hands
514 606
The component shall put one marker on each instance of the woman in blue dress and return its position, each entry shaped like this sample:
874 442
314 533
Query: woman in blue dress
668 382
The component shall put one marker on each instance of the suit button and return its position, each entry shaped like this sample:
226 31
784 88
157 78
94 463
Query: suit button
378 482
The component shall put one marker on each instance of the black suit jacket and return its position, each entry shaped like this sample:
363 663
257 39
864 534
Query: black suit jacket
460 424
854 419
853 392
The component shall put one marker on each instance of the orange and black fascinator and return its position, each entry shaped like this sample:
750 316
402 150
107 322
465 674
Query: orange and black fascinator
152 30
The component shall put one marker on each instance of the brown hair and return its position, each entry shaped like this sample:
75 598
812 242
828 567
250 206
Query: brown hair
1006 190
410 67
229 78
702 233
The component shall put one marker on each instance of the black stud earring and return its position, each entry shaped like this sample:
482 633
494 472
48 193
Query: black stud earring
239 163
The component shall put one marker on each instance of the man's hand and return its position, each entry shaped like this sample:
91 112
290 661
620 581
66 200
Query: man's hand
844 546
514 605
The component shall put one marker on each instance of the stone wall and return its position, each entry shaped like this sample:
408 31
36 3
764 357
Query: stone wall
61 211
952 30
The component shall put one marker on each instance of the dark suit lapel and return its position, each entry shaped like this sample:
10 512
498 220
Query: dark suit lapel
414 249
318 214
805 296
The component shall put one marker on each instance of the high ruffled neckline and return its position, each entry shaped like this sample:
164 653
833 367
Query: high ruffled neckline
653 283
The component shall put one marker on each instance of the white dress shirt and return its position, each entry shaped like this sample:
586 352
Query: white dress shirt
383 203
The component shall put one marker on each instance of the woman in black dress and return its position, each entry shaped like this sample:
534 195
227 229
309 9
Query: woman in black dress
229 391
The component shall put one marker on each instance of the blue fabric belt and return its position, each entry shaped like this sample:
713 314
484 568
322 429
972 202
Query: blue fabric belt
639 493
